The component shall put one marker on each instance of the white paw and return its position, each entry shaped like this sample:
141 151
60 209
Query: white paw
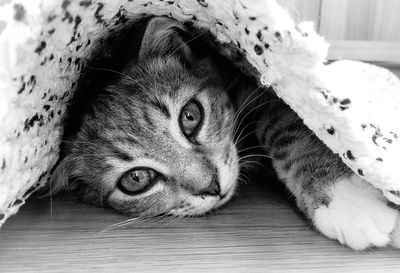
357 215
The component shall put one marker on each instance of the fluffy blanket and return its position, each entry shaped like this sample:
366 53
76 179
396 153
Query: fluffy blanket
44 45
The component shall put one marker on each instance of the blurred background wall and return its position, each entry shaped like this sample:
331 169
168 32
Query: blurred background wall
367 30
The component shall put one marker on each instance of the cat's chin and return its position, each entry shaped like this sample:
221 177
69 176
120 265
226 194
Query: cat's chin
198 206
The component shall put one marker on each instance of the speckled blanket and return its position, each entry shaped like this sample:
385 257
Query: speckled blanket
44 44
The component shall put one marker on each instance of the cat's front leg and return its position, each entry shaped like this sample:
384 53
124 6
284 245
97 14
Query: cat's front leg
339 204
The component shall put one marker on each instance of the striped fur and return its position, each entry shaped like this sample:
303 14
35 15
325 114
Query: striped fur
303 162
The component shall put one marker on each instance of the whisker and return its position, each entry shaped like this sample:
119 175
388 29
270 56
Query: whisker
245 127
138 220
253 147
114 226
255 155
173 219
245 176
237 79
245 181
153 219
244 137
111 70
253 109
249 162
250 165
246 103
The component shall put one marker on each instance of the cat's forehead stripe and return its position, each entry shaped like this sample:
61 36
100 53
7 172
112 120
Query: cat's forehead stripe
120 154
146 116
161 106
130 139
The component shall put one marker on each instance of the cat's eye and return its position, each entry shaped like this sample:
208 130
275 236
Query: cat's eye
137 180
190 118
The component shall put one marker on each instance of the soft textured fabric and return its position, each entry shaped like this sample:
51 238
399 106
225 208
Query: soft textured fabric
44 44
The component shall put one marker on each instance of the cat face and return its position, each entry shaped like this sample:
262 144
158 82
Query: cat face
160 139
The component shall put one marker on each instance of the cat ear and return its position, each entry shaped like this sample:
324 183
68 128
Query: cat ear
164 36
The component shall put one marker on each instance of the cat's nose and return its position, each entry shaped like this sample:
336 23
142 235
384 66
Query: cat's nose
213 188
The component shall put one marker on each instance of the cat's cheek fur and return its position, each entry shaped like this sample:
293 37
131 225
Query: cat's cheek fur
357 216
228 173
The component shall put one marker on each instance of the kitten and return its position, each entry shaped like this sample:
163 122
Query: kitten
161 140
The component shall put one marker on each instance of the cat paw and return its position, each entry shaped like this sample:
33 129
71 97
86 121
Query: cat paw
357 216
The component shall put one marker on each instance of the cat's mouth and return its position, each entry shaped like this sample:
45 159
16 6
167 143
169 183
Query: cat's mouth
202 204
219 201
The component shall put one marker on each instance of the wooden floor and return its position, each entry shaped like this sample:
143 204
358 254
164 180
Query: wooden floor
259 231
